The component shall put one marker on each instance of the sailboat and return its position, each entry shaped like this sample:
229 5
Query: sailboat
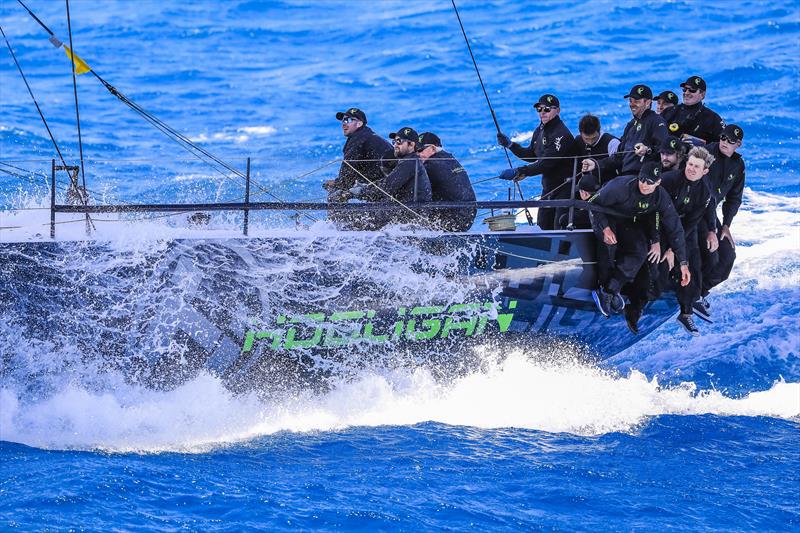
271 307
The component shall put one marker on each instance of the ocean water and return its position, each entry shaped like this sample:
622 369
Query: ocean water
674 433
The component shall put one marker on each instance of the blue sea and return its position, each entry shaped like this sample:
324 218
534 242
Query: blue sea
675 433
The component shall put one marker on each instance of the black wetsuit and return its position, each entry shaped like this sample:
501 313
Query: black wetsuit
450 183
549 140
618 264
650 130
698 121
725 178
597 151
691 199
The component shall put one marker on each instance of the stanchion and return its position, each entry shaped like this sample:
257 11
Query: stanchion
247 198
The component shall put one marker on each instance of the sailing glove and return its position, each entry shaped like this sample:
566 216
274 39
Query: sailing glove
503 140
509 174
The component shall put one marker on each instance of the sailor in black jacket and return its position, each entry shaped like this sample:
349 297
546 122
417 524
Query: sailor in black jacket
639 142
551 141
361 153
589 143
623 238
667 105
592 141
690 196
692 118
407 182
726 181
449 183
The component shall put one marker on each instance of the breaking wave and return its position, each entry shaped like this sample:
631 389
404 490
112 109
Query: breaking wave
515 392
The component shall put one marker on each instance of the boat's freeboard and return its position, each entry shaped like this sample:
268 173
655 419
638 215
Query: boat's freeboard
275 309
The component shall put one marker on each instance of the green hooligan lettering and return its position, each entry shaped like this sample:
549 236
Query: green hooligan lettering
467 325
293 342
331 339
433 325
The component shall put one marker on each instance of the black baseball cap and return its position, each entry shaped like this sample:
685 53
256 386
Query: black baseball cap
695 82
639 92
671 145
352 112
548 100
733 132
650 172
669 96
430 138
407 134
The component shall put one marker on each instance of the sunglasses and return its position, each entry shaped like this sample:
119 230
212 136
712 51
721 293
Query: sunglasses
648 180
348 120
397 141
690 90
544 109
727 139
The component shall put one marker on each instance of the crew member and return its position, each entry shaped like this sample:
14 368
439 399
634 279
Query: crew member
694 121
667 105
623 238
690 196
643 135
449 183
590 143
726 181
672 153
361 155
407 182
547 153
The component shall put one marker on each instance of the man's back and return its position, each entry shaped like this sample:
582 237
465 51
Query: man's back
449 180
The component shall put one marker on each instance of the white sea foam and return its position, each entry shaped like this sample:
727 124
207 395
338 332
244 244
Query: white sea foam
202 414
240 135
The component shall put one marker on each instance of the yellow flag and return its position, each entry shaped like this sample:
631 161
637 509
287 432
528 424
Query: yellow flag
80 65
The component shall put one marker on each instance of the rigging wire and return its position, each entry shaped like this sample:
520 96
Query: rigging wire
73 68
489 103
39 109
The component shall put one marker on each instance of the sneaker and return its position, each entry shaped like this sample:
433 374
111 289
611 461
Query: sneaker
632 316
688 324
617 303
702 309
602 300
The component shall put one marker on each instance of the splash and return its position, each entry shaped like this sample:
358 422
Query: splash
518 392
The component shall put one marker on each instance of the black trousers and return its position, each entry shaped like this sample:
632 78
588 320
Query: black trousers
717 266
652 280
546 216
618 264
